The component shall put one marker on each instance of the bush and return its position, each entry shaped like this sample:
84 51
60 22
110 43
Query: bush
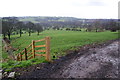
67 29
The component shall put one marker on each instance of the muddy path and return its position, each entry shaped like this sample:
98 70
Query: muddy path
103 62
90 61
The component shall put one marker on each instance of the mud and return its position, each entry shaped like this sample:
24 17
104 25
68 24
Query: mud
97 63
90 61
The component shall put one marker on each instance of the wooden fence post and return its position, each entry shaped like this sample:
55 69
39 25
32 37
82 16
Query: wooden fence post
25 54
48 58
20 57
33 48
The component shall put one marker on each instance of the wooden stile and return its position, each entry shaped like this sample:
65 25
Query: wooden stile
32 54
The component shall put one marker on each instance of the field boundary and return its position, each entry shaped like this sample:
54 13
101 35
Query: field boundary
29 52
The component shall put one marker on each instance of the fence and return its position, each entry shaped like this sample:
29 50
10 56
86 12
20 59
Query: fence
30 52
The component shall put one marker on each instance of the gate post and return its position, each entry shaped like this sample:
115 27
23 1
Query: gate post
33 48
20 57
25 54
47 39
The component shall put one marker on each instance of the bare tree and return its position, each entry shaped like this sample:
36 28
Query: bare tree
30 27
38 28
8 24
20 26
96 25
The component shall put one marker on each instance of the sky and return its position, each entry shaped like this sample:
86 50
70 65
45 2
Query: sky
91 9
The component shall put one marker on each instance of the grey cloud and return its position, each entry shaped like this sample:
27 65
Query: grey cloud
96 3
89 3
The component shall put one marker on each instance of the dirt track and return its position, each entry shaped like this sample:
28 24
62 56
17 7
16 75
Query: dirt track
92 62
103 62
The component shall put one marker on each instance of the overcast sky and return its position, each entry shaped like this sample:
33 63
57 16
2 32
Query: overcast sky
63 8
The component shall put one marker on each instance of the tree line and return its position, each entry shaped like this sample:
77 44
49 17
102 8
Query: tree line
97 25
57 23
12 24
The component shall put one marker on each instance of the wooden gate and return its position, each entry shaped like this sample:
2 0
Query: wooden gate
30 51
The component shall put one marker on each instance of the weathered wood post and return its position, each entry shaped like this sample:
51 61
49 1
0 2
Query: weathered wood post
20 57
25 54
33 48
48 58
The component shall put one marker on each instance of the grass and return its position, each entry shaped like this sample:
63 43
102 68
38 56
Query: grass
60 42
0 50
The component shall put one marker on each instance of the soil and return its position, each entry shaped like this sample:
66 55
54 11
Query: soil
89 61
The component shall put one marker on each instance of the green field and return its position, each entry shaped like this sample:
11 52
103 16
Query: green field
0 49
60 42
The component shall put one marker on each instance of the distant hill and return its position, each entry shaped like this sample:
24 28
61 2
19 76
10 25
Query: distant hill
42 19
46 21
39 19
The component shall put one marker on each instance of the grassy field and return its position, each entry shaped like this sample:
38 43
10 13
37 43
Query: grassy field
60 42
0 50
